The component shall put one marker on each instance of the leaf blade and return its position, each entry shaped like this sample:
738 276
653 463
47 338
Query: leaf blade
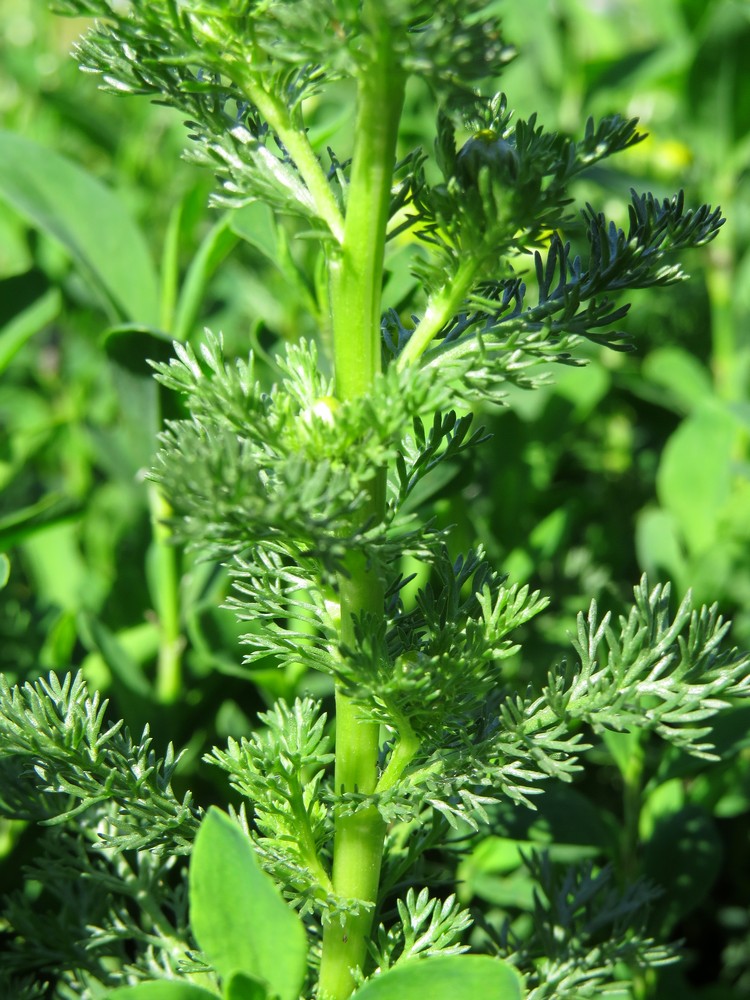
89 220
237 914
457 977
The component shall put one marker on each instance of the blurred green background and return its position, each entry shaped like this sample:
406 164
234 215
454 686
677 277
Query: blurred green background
108 249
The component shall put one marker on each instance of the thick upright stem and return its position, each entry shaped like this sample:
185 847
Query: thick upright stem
356 276
357 273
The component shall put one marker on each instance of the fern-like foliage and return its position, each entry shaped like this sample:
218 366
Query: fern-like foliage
586 930
311 501
60 758
426 926
505 187
279 770
574 295
654 673
240 72
114 836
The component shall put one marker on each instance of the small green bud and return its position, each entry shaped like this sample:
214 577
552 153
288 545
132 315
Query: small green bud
486 148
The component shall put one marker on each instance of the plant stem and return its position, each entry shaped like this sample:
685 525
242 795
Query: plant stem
404 750
167 599
297 144
441 308
356 275
632 800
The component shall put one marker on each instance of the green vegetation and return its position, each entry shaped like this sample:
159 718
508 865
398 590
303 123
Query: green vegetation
366 549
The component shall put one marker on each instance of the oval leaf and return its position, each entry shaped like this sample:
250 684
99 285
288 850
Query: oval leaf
244 987
237 914
695 475
453 977
163 989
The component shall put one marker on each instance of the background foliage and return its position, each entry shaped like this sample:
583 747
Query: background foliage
638 463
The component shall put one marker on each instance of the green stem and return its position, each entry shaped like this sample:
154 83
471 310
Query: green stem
403 753
357 272
167 599
441 308
632 800
295 140
306 838
356 276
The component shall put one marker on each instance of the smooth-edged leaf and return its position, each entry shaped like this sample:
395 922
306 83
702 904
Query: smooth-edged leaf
658 545
453 977
89 220
61 574
237 914
695 474
29 321
255 223
132 346
4 569
52 509
162 989
125 667
243 987
216 246
687 382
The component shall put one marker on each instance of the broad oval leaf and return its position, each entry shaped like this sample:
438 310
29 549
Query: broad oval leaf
237 914
162 989
90 221
244 987
695 475
453 977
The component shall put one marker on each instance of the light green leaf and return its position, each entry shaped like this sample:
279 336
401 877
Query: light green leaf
683 376
123 665
217 245
52 509
62 578
237 914
88 219
4 569
658 545
695 475
29 321
244 987
454 977
163 989
255 223
583 388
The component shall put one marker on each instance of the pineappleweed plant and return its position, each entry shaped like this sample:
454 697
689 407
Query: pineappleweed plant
309 493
